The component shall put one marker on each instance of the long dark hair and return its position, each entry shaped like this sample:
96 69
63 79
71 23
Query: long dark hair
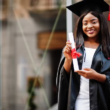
104 37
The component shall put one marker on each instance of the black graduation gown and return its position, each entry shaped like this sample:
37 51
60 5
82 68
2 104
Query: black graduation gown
68 84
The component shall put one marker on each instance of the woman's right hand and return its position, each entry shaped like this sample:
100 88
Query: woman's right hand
67 51
68 57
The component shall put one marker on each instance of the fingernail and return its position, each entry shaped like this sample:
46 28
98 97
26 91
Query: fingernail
68 40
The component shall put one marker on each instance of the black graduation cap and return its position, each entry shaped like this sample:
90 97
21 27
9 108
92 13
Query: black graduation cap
89 5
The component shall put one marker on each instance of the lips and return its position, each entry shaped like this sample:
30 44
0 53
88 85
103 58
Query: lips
90 31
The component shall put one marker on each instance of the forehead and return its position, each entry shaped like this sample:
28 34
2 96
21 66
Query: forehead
89 16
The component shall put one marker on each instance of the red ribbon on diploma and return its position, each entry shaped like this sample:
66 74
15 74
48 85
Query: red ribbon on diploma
75 54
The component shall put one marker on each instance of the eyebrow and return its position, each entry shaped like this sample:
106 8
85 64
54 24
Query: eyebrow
90 20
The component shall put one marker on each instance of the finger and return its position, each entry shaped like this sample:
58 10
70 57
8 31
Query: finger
78 71
69 46
87 69
68 42
81 71
67 50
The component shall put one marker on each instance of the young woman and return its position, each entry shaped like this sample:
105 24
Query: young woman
89 87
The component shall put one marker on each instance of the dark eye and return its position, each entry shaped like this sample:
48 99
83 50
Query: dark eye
94 22
84 23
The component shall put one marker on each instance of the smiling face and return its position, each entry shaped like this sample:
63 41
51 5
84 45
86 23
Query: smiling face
91 26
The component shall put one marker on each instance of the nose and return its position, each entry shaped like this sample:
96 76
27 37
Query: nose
89 25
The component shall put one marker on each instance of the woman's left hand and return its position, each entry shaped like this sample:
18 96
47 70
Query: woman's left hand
87 73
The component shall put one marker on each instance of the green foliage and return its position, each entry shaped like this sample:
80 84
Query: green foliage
31 104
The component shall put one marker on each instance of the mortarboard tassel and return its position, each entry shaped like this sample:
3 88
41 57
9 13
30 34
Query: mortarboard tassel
109 14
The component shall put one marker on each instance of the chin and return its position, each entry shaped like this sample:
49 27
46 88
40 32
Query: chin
91 36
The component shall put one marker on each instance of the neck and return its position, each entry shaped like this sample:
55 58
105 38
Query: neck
92 40
91 43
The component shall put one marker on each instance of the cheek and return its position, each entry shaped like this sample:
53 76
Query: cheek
84 29
98 28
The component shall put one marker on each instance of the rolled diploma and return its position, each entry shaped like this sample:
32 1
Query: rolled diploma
75 62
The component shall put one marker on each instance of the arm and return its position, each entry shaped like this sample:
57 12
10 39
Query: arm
68 58
65 62
100 77
92 74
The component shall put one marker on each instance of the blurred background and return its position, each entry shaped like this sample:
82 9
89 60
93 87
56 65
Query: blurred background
32 36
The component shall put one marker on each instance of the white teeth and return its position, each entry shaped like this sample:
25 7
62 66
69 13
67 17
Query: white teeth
90 31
